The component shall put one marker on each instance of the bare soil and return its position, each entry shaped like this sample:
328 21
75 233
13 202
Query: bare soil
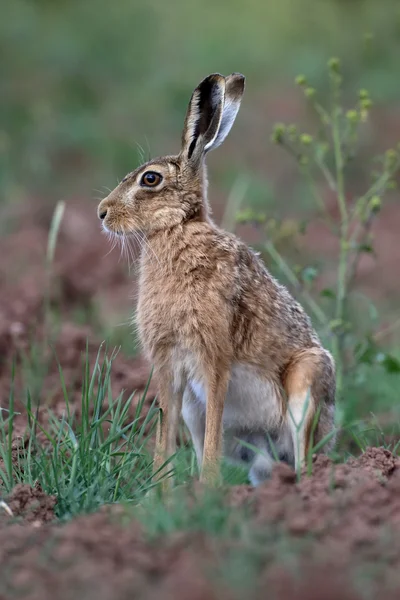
332 535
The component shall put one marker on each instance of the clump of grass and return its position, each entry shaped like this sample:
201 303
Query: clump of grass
92 454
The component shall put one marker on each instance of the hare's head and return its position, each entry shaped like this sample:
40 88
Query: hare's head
168 191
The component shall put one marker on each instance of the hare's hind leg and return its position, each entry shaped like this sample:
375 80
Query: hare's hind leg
310 387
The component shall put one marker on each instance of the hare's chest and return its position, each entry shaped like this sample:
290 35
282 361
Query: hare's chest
155 320
163 317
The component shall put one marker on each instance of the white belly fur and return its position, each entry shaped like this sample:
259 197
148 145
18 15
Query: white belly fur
251 402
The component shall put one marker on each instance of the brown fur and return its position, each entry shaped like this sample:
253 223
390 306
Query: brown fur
206 301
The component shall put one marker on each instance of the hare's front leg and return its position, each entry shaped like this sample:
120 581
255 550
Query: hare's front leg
216 389
170 402
194 415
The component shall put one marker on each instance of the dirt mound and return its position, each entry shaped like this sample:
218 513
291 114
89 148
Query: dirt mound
345 503
334 534
31 504
96 558
349 513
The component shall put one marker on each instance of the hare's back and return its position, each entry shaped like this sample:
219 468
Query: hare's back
265 315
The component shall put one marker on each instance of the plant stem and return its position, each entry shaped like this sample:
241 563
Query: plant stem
344 246
319 201
51 247
361 239
327 174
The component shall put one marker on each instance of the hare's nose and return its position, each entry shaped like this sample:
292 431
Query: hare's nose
103 214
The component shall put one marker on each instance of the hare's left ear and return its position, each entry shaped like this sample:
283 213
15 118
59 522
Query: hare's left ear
234 88
203 118
212 111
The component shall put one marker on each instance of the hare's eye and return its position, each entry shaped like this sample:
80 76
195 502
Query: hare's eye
150 179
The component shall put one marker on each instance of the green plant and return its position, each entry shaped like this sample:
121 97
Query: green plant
93 454
329 155
51 249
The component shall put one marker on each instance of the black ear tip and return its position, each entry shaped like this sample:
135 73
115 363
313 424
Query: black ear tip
236 83
215 76
210 80
215 81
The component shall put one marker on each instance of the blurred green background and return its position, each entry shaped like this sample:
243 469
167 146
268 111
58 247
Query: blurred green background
88 86
83 82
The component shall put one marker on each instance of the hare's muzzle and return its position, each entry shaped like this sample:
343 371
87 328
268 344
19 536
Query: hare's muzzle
103 210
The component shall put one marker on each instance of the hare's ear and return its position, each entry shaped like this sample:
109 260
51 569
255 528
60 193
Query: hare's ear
203 118
234 88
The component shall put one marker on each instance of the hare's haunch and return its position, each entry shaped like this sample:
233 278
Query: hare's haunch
232 351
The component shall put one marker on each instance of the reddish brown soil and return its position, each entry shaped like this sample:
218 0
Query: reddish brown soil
333 535
31 504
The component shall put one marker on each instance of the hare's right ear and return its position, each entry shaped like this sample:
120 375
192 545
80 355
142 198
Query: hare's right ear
203 118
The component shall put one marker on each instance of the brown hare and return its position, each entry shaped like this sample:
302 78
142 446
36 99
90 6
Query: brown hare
232 351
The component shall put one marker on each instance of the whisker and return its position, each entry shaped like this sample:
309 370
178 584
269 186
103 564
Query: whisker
127 243
142 246
123 323
113 241
122 244
148 147
102 192
131 251
146 243
128 251
141 152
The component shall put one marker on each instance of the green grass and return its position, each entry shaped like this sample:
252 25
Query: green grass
87 460
100 451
